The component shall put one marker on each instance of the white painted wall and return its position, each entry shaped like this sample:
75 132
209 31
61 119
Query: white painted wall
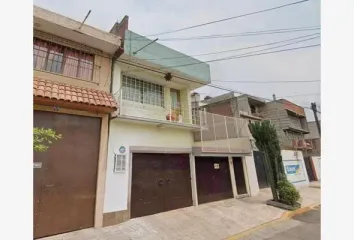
295 159
136 109
317 164
134 134
251 174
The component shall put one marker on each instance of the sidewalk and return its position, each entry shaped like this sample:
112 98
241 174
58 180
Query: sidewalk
217 220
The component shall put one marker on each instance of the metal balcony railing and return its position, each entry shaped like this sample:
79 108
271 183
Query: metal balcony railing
152 107
219 133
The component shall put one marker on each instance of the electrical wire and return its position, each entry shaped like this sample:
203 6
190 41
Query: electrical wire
301 95
229 18
230 50
240 34
245 55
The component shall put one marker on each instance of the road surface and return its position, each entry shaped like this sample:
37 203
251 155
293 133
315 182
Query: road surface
306 226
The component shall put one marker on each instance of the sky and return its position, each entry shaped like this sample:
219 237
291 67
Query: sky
156 16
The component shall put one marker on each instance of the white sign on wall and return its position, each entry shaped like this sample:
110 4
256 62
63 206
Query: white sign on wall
294 171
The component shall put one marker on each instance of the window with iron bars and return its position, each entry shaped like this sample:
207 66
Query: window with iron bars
137 90
55 58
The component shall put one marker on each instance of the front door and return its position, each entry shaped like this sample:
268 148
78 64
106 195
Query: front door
160 182
239 176
65 176
213 179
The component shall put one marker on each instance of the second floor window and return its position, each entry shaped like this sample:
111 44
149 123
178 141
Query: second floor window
63 60
137 90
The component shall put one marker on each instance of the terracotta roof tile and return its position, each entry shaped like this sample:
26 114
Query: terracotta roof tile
53 90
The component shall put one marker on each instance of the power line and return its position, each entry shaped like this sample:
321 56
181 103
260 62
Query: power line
208 85
250 54
231 50
301 95
267 82
240 34
245 55
206 37
229 18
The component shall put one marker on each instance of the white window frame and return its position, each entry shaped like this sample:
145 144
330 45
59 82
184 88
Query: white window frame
138 90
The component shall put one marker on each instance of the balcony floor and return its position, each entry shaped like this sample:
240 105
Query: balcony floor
157 122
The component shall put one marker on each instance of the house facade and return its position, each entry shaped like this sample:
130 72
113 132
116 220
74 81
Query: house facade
71 94
245 107
291 125
158 157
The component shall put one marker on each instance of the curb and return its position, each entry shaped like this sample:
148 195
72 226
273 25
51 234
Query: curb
285 216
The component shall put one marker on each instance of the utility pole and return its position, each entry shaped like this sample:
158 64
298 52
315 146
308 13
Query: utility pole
314 109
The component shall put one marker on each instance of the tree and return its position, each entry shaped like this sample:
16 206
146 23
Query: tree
42 138
267 141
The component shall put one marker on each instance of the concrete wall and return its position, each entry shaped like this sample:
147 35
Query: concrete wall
129 135
251 175
294 166
275 112
243 104
313 131
317 164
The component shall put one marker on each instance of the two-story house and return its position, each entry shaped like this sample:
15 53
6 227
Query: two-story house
230 104
71 94
291 125
243 106
290 122
158 158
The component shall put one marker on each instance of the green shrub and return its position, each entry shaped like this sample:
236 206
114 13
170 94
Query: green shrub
288 194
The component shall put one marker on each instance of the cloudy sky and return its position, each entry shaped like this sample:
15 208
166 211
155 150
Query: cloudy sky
155 16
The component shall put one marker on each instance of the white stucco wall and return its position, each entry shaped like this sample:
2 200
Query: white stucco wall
295 167
317 164
134 134
251 174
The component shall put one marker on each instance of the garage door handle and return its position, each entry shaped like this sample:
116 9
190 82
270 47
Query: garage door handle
49 185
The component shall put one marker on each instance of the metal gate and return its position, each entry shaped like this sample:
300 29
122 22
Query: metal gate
65 176
239 176
213 179
260 169
160 182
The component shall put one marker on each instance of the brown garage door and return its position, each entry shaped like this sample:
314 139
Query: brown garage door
213 179
160 182
65 185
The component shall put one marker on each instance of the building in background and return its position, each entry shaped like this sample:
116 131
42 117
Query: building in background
164 154
313 139
244 106
291 125
71 95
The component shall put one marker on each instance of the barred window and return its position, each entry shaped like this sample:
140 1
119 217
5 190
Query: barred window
52 57
137 90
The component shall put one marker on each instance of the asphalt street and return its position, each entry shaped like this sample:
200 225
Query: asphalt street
306 226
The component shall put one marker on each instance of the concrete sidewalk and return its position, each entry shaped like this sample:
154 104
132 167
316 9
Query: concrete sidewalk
212 221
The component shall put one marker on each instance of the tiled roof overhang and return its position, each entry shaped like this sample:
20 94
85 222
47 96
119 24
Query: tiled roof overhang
46 92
